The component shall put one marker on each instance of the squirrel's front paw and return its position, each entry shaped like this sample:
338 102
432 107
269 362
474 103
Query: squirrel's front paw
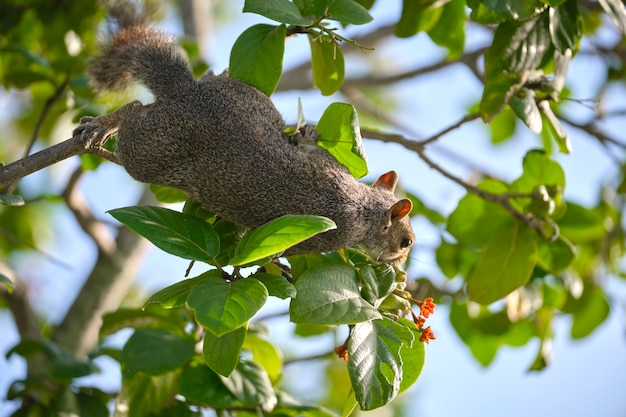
95 131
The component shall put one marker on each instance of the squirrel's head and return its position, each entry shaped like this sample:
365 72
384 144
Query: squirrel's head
392 239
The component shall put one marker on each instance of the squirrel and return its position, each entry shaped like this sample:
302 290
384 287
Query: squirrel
221 141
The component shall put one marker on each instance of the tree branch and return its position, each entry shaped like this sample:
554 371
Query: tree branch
76 145
94 228
103 290
502 199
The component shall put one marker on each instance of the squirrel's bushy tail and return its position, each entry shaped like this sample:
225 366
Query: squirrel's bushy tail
143 54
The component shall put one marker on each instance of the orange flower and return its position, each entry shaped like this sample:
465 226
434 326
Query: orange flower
427 307
427 335
342 351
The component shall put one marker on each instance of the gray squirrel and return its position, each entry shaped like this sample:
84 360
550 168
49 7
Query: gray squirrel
221 141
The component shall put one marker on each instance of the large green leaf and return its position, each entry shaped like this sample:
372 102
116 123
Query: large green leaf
475 220
565 26
593 310
155 352
449 31
277 285
252 386
266 355
221 353
506 264
330 295
516 48
282 11
176 294
143 394
279 234
514 9
416 17
139 318
199 384
176 233
580 225
374 361
413 356
222 306
344 11
556 256
340 135
327 63
257 56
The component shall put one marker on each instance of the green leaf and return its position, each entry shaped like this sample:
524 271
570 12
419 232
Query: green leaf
514 9
378 282
266 355
199 384
340 135
449 31
124 318
555 128
327 63
143 394
155 352
555 257
176 233
581 225
348 11
277 285
257 56
516 48
502 126
176 294
168 194
413 356
282 11
63 365
593 311
277 235
375 364
330 295
222 306
416 17
252 386
506 264
475 221
539 170
11 200
565 26
221 353
525 107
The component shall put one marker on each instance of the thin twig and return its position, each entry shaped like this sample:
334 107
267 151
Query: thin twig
94 228
42 117
447 130
501 199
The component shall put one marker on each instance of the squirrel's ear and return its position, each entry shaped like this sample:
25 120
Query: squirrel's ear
400 209
387 181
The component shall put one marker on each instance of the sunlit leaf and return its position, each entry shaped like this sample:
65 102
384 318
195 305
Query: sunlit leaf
330 295
506 264
257 56
176 233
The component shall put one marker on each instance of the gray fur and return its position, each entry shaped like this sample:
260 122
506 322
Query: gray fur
221 141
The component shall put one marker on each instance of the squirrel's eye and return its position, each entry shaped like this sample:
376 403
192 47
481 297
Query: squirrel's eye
405 243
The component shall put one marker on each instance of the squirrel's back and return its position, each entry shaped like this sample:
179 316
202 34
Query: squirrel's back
221 141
